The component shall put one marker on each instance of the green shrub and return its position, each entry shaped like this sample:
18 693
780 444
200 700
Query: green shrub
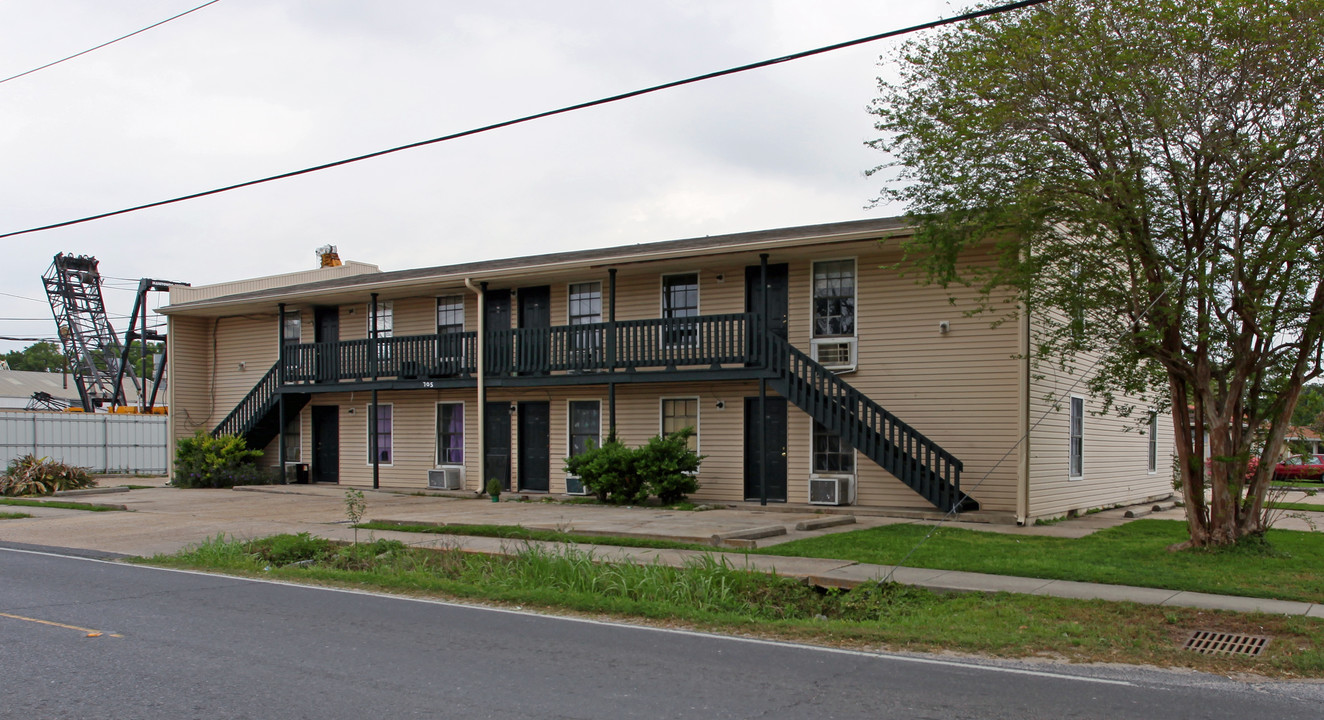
608 472
369 555
31 475
664 466
285 549
668 466
203 461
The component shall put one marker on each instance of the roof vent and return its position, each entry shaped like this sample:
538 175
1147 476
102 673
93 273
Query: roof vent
328 256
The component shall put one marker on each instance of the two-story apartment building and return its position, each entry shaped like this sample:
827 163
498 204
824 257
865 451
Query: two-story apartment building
811 367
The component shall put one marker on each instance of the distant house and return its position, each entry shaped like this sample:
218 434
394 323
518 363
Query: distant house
812 370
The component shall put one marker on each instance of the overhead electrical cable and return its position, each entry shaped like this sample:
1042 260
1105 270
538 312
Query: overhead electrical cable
109 42
20 297
986 12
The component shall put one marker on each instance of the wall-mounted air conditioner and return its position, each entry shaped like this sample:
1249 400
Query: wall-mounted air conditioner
574 486
835 353
450 477
830 490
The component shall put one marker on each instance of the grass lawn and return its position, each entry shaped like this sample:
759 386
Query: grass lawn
56 504
13 515
517 532
1131 554
711 594
1299 507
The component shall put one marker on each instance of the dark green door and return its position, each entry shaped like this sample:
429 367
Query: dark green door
496 439
535 324
326 443
326 333
774 451
535 460
496 320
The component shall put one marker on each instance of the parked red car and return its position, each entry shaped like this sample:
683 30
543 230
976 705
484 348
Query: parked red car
1300 467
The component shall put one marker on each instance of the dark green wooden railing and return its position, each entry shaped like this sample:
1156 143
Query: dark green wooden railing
252 409
666 343
898 448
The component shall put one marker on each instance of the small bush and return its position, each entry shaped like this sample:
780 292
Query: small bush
285 549
608 472
668 465
31 475
203 461
664 466
369 555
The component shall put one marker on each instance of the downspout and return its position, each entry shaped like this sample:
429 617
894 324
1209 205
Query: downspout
482 376
611 353
281 450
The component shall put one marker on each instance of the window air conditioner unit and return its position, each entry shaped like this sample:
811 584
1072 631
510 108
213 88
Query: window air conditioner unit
574 486
450 477
829 490
835 354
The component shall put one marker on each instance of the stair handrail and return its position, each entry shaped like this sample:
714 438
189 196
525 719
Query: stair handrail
788 362
255 403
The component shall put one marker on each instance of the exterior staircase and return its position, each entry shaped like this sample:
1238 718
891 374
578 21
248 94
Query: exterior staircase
257 417
898 448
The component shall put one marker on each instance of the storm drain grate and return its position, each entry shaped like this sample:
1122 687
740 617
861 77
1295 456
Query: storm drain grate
1208 642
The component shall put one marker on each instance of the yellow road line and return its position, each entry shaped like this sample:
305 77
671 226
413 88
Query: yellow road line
89 631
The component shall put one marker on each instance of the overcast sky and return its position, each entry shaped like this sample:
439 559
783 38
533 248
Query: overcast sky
248 88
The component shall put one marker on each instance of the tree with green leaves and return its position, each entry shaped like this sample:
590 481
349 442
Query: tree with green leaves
38 357
1152 173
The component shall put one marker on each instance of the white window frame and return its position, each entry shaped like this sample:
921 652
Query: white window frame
437 315
369 439
698 416
386 310
297 420
569 423
662 304
853 340
1152 451
831 473
569 313
436 434
297 318
1073 457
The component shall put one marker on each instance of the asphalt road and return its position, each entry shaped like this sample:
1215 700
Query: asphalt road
185 645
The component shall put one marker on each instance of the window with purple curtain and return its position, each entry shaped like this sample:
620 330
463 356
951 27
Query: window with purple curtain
450 433
383 434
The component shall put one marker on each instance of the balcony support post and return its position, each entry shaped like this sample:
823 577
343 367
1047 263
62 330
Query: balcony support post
611 349
280 381
763 383
372 413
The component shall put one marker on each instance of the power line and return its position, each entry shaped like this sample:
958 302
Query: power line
110 42
986 12
20 297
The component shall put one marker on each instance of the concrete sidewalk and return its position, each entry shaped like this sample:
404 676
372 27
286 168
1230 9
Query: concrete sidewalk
165 520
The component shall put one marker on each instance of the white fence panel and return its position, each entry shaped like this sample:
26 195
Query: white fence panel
101 443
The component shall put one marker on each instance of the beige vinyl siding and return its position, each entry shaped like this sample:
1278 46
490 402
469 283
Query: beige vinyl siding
721 432
959 389
189 348
245 350
1115 450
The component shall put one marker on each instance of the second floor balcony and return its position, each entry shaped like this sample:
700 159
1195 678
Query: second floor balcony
662 344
